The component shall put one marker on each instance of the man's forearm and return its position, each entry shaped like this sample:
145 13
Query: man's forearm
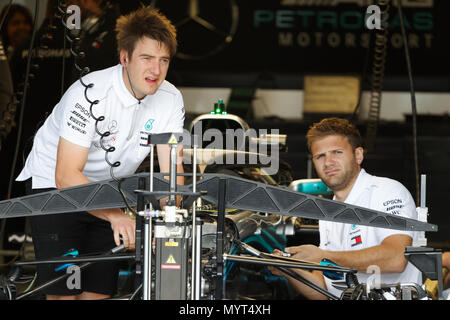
72 179
388 259
314 277
64 179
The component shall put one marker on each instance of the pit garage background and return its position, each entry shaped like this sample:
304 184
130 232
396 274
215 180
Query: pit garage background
260 56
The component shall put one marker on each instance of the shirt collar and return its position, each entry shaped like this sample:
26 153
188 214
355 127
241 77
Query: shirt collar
123 93
362 182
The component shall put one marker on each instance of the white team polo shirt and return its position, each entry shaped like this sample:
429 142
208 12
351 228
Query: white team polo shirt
376 193
128 121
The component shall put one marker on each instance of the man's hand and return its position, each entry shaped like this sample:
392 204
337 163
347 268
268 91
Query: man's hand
275 271
308 252
123 225
315 277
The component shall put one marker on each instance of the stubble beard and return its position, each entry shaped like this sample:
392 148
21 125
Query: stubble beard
342 180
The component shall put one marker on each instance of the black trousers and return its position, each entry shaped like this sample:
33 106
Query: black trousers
55 234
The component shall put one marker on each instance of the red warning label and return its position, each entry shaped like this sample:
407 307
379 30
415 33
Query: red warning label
171 266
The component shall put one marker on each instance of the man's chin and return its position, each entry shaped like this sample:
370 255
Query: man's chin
151 91
333 184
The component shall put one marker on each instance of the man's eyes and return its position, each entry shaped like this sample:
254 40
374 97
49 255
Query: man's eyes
335 152
319 156
164 60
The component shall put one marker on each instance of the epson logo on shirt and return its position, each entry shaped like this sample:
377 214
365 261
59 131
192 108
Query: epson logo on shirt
393 201
392 205
83 110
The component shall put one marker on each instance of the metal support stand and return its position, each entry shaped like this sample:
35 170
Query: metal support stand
197 261
172 234
147 268
147 281
422 213
220 233
196 237
139 236
173 175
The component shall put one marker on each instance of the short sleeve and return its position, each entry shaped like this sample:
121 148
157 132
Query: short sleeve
395 199
177 118
76 122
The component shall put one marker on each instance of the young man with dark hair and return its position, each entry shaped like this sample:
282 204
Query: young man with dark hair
135 100
337 153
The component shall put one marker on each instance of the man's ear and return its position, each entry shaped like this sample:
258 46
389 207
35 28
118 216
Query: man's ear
123 58
359 155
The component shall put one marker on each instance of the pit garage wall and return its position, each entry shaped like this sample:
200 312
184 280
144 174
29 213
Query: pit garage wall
273 44
288 104
289 38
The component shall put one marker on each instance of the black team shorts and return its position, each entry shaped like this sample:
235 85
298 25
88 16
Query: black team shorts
55 234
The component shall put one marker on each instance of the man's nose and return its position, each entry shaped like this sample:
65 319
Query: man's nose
155 67
329 159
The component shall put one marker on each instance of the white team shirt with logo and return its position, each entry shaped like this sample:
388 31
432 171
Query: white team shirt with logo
376 193
128 121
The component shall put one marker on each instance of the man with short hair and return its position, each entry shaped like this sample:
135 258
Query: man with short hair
337 153
135 100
